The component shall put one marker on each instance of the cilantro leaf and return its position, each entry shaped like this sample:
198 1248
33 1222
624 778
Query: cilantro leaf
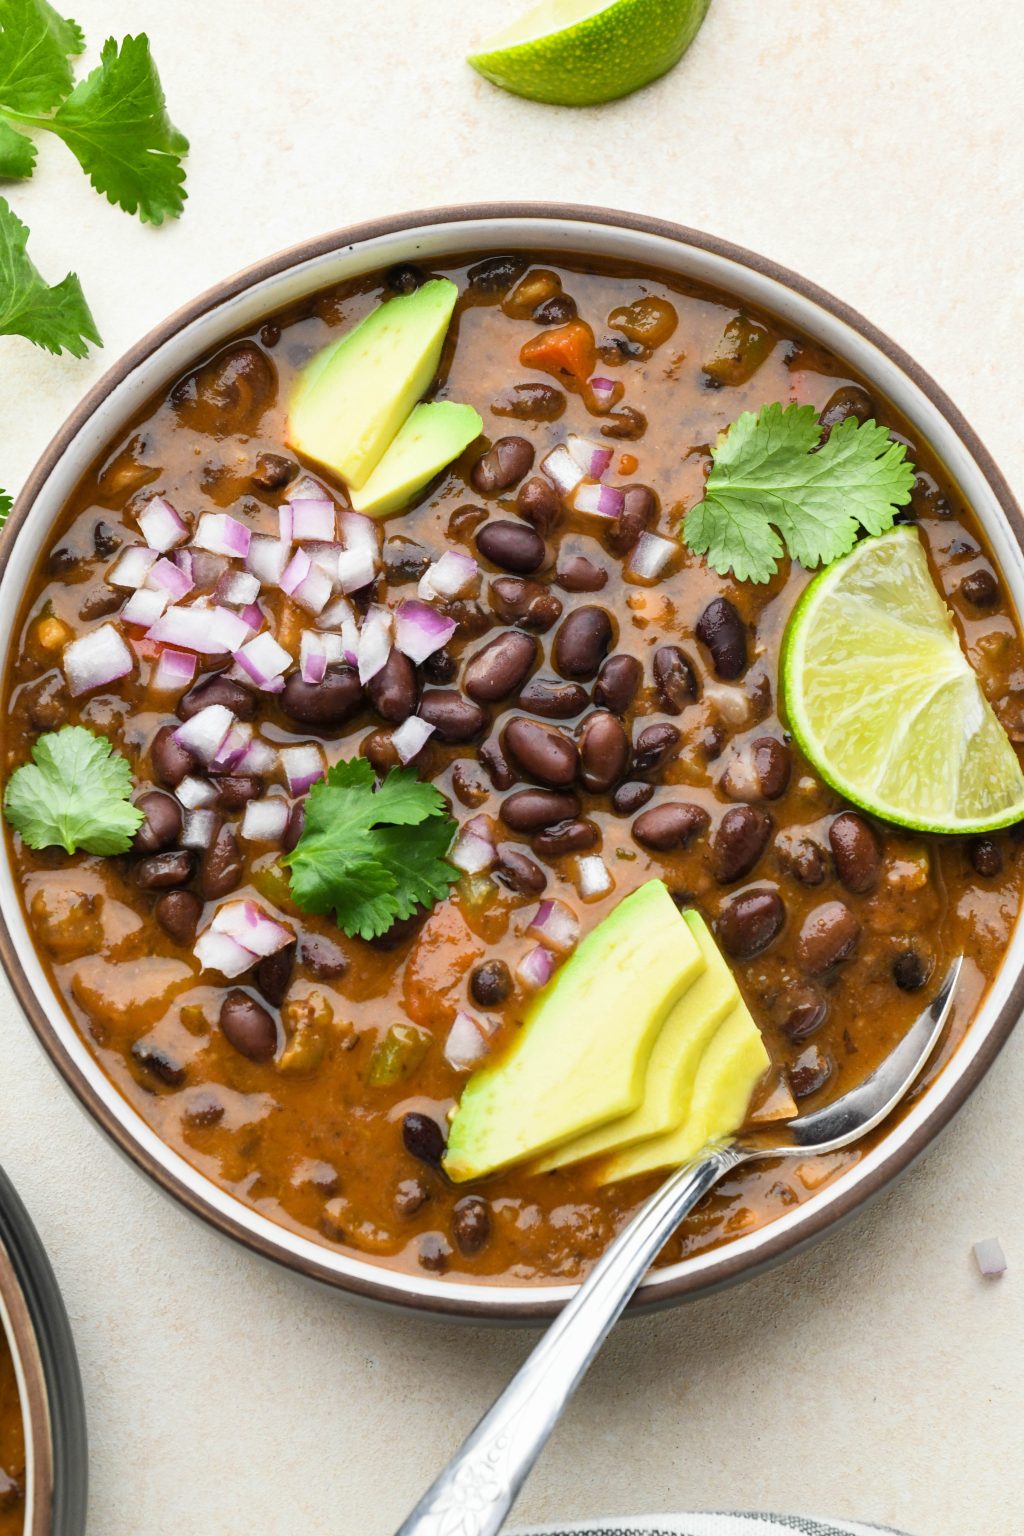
34 46
371 856
17 154
55 318
115 123
769 491
5 506
74 794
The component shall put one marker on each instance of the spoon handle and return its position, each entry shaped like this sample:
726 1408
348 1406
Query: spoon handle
476 1490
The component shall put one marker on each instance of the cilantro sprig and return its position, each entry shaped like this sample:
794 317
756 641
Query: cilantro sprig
772 489
73 795
57 318
371 856
5 506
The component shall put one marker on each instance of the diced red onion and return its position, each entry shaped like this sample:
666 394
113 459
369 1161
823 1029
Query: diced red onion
264 821
593 458
144 607
594 879
316 652
302 766
990 1258
296 571
356 569
603 392
220 952
335 615
170 578
254 617
233 748
250 926
326 557
204 734
228 629
451 576
222 534
262 658
307 489
98 658
409 738
314 592
267 559
237 588
420 630
359 532
599 500
199 828
474 849
259 758
182 558
650 555
207 568
374 642
191 627
285 524
556 925
132 566
311 519
195 793
161 526
562 470
467 1041
174 671
536 968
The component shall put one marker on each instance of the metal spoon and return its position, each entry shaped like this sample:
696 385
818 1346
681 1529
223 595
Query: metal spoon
480 1484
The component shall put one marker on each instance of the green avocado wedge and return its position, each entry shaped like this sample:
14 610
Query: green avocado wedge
580 1058
433 435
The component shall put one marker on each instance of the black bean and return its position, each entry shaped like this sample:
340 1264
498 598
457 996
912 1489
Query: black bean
393 691
810 1073
910 971
47 703
578 574
491 984
625 423
525 603
158 1062
331 702
673 824
538 502
106 541
553 699
720 628
749 922
604 751
674 679
632 797
433 1252
502 466
99 604
558 310
423 1138
739 842
203 1109
323 958
857 852
804 858
512 546
162 825
406 277
178 913
404 560
294 825
170 762
518 873
772 762
248 1026
411 1196
471 1224
163 871
639 512
617 682
272 471
236 790
530 402
240 700
222 865
829 934
804 1018
454 718
496 274
62 561
542 752
400 932
986 857
980 588
850 400
464 522
582 642
500 667
440 667
655 746
497 767
528 810
574 836
274 973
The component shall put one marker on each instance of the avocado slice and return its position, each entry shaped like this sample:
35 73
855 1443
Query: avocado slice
674 1060
433 435
353 397
581 1055
729 1071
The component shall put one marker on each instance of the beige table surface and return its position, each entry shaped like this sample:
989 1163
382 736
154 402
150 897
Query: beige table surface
877 149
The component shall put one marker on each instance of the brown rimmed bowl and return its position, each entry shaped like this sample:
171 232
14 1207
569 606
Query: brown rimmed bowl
243 300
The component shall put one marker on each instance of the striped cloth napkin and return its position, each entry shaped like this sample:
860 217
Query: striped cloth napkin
712 1525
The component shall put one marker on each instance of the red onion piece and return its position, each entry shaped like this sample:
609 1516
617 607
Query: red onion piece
311 519
204 734
259 758
649 557
335 614
593 877
254 617
312 658
252 927
264 821
267 559
222 534
296 571
990 1258
174 671
237 588
603 392
420 630
314 592
98 658
307 489
195 793
262 659
374 642
228 629
161 526
467 1041
199 828
593 458
220 952
144 607
190 627
536 968
233 748
473 852
453 575
556 925
562 470
167 577
409 738
303 766
132 566
599 500
356 569
359 532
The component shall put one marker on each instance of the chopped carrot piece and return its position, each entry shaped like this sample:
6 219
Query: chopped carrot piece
568 352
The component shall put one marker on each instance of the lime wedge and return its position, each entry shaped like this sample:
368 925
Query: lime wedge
884 702
574 53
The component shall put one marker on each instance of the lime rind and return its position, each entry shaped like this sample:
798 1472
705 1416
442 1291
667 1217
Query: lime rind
885 704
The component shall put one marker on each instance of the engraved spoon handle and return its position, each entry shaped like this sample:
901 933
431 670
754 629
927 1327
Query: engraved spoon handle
476 1490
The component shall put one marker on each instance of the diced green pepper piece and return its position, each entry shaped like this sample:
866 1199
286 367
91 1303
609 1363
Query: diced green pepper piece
396 1057
742 349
